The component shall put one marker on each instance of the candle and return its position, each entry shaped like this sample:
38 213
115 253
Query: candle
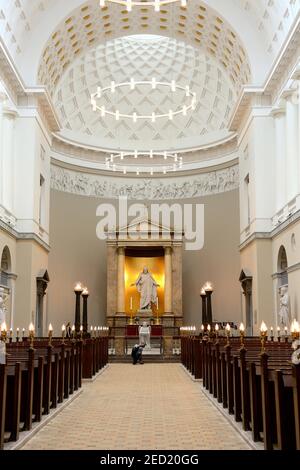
157 303
50 333
131 304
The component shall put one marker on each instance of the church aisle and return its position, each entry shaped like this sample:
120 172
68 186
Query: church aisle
154 406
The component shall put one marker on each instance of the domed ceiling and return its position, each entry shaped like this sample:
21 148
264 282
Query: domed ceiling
142 58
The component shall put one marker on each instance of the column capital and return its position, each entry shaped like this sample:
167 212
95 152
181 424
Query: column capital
9 113
278 112
121 250
290 94
168 250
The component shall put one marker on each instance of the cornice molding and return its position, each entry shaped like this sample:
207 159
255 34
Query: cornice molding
17 90
23 236
284 66
274 233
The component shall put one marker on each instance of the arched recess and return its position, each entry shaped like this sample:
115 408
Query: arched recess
5 285
282 265
5 267
246 280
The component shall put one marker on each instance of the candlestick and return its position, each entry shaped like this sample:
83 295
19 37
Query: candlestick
263 335
217 330
228 331
73 331
31 335
81 331
50 334
18 334
23 334
272 333
63 330
242 333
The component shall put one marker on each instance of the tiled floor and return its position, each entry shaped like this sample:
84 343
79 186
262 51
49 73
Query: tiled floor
151 406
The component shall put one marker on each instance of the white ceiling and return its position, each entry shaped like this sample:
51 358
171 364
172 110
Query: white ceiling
143 58
261 25
216 46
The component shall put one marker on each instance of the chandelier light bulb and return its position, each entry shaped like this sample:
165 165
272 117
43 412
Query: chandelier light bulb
189 105
113 165
129 4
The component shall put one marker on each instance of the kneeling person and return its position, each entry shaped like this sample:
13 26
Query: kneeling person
137 352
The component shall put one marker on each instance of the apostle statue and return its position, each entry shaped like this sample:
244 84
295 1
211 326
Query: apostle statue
3 299
284 307
147 287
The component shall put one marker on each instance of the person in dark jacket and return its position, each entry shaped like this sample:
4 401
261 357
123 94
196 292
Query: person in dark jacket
137 353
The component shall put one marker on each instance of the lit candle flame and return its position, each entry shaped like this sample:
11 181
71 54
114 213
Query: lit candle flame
50 328
228 328
217 327
263 327
242 328
31 328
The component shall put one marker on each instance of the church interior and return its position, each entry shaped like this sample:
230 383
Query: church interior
150 217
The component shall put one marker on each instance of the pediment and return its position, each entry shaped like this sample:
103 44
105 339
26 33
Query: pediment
145 225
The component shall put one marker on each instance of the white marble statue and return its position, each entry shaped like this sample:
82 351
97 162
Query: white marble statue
144 335
147 287
3 299
284 307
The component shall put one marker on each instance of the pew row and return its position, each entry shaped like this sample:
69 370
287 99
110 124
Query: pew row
39 376
258 385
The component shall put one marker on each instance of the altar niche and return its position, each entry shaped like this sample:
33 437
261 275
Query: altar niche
129 250
136 259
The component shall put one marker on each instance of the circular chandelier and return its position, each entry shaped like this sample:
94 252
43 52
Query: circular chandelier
171 162
154 84
156 4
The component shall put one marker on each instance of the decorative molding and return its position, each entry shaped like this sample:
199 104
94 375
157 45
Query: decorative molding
23 236
85 184
271 235
293 268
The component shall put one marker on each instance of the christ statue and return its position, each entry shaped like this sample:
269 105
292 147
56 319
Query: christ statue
147 287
